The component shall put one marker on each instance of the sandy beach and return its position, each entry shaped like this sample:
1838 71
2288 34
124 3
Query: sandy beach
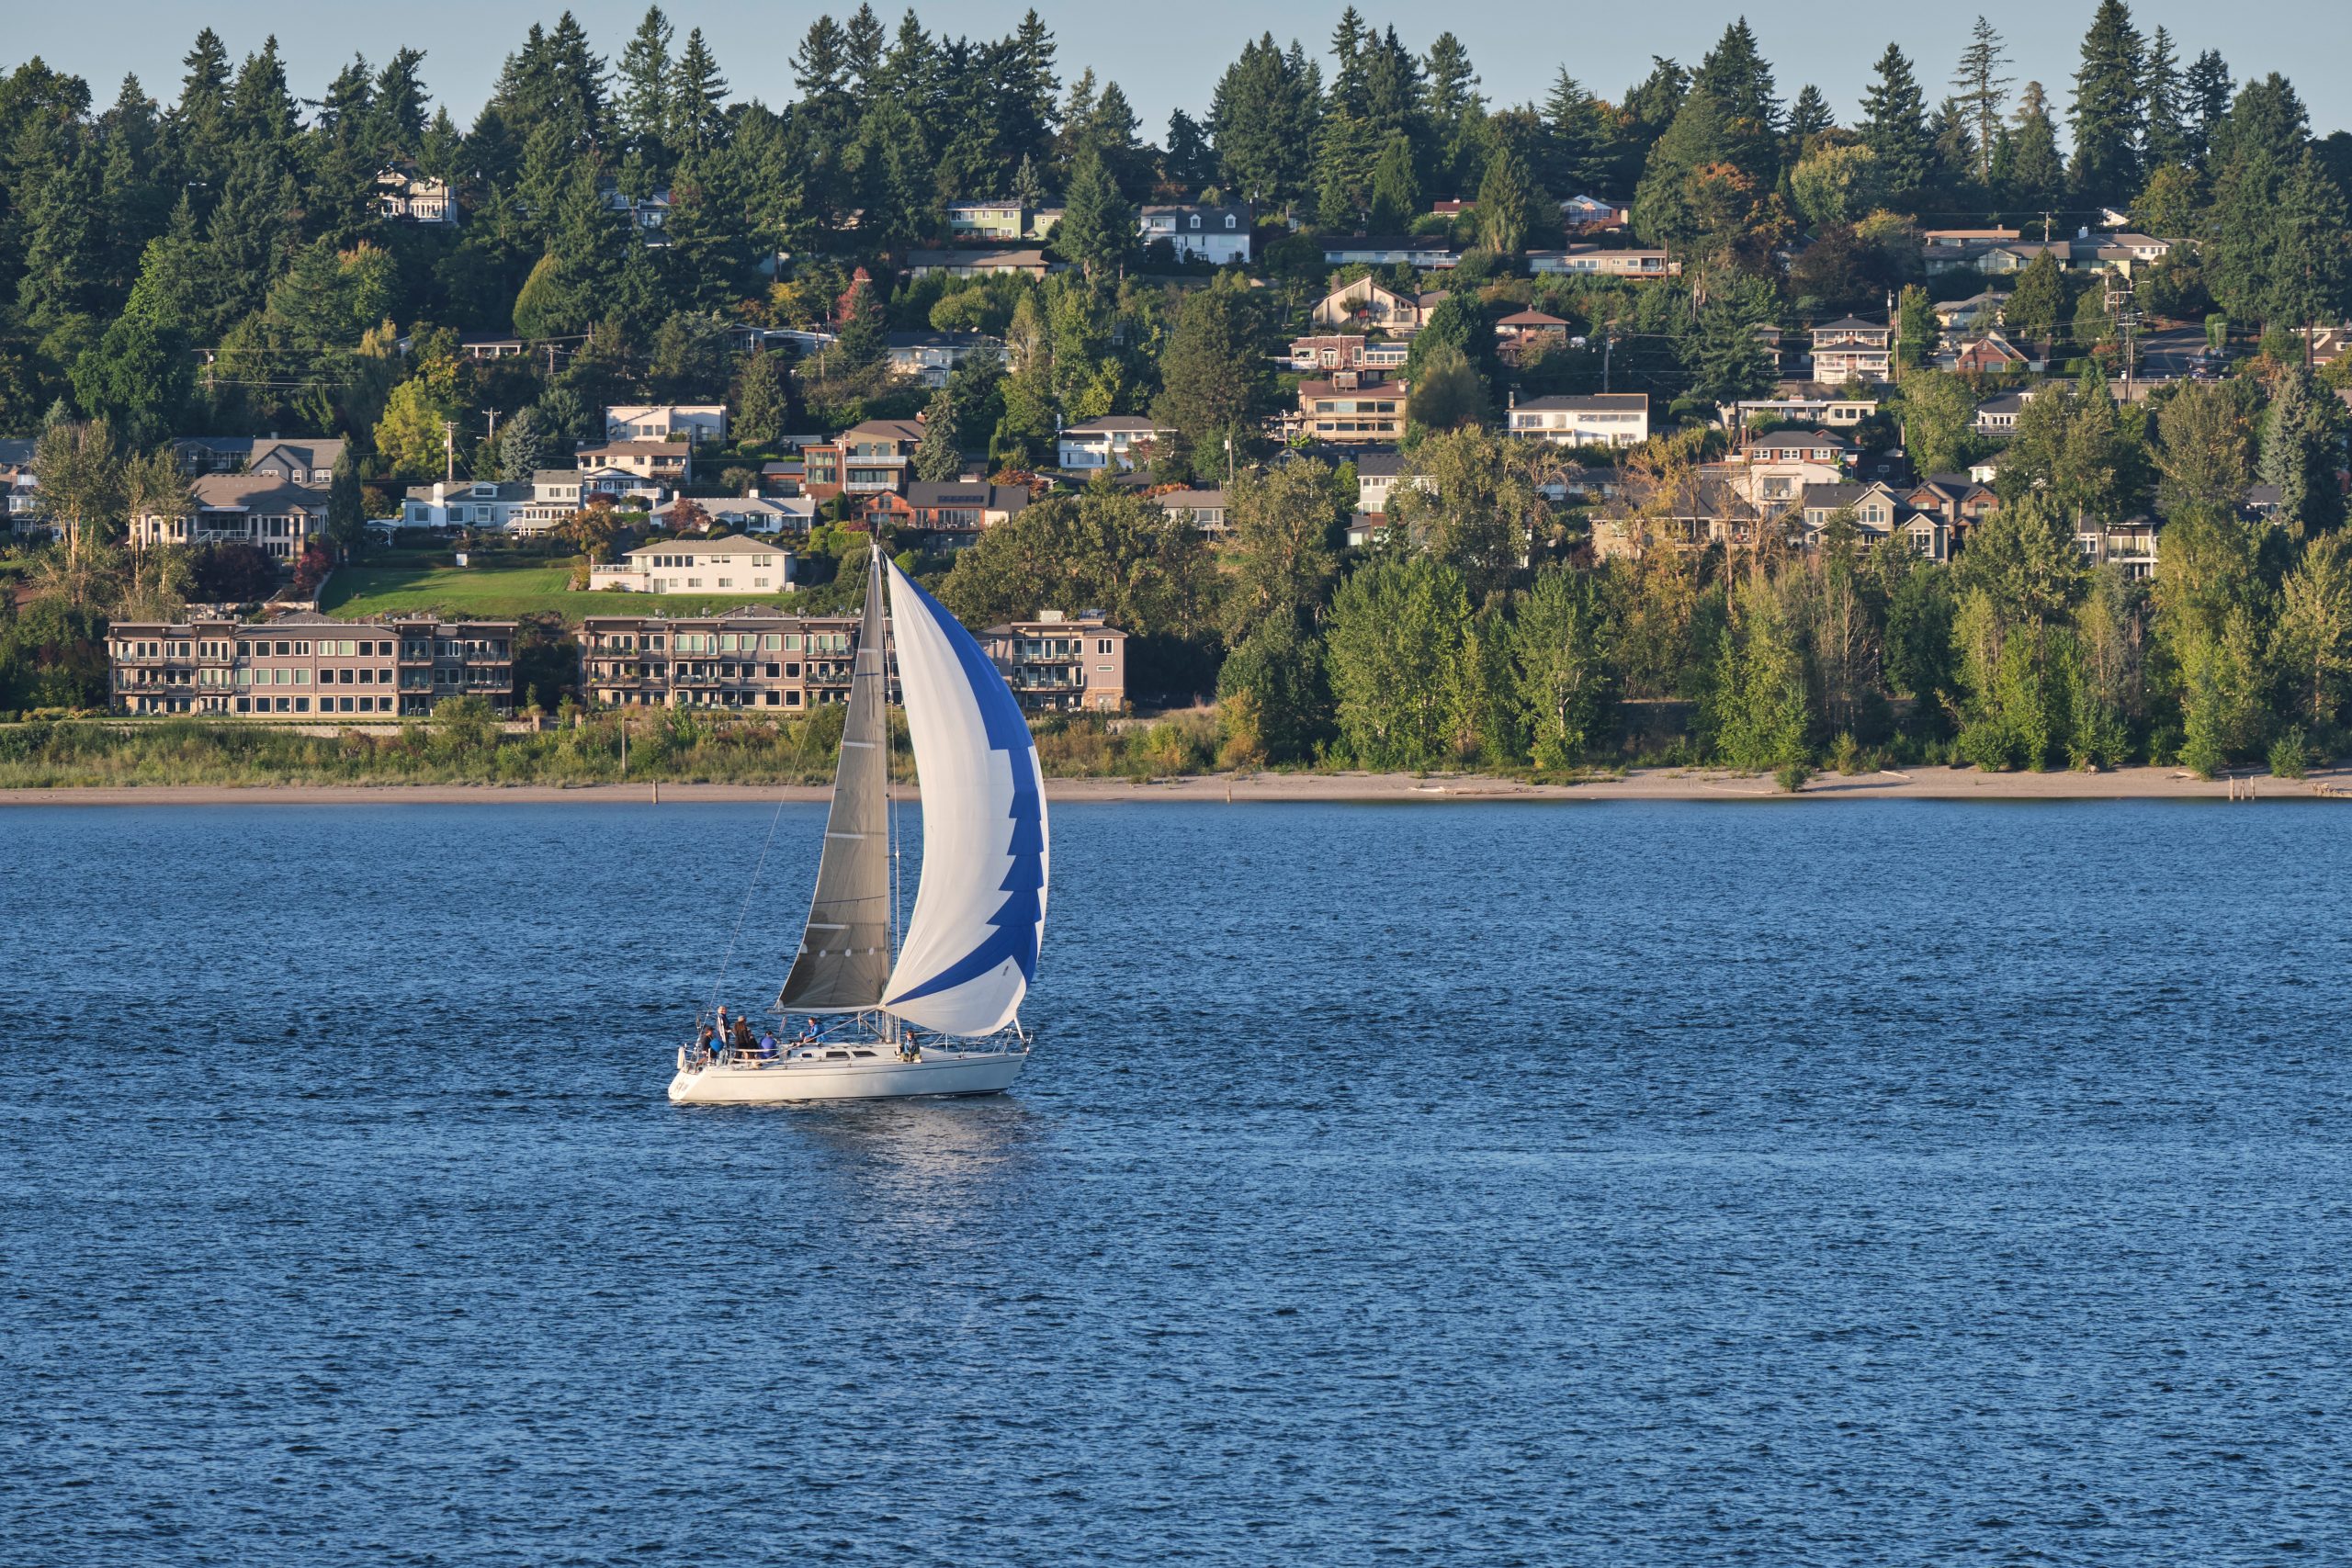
1651 783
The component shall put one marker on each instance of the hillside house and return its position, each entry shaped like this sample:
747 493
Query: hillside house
299 459
271 513
405 196
1118 442
929 356
1595 260
733 564
1597 419
871 459
1369 304
1347 351
1353 408
1401 250
1220 235
696 422
977 262
1851 347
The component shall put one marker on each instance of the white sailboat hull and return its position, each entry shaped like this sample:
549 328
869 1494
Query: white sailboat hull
789 1079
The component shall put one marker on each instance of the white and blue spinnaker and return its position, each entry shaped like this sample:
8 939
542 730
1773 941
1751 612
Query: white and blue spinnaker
970 949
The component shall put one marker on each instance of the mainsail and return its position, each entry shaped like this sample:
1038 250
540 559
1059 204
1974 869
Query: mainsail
845 954
971 946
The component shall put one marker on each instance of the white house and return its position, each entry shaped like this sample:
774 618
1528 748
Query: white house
1114 441
698 566
469 503
1216 234
666 421
1599 419
405 195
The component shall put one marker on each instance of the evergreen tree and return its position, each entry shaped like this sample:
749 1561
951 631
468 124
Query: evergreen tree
889 169
1261 122
1396 193
1186 162
1217 383
1808 118
2206 93
1098 227
2033 179
2255 158
2110 108
697 92
1454 112
939 455
2309 265
1662 209
1735 72
758 401
2165 137
1894 127
57 291
1984 93
1506 199
1577 140
1724 359
2302 443
642 110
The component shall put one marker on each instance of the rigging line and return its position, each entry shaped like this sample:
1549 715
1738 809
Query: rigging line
750 889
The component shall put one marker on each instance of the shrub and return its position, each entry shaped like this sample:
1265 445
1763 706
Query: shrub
2290 755
1792 776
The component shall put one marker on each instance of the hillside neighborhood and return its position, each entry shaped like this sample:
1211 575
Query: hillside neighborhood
1947 416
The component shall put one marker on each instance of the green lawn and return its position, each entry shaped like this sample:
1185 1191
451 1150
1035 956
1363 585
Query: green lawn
504 593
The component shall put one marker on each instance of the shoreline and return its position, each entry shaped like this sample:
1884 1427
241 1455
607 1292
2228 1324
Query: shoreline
1646 783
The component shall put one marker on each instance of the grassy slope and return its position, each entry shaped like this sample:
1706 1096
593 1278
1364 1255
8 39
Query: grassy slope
355 592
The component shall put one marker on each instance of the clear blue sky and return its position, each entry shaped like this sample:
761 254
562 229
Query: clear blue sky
1168 56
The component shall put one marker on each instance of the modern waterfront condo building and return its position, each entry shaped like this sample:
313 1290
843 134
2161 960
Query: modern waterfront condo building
750 657
306 666
1060 661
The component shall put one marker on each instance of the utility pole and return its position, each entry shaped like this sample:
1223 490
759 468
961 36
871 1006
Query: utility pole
1608 347
2118 299
449 450
494 436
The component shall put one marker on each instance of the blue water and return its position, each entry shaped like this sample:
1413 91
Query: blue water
1772 1183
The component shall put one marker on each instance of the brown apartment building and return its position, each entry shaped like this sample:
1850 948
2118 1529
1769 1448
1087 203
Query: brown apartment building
751 658
1072 662
306 666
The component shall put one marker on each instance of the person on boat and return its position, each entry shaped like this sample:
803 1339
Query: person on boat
742 1040
767 1045
702 1045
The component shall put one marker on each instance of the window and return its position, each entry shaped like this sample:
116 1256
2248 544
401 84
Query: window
1103 646
301 704
771 642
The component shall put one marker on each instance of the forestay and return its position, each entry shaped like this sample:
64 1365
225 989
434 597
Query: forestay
971 948
845 954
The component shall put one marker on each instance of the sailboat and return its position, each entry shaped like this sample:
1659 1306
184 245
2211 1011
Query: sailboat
936 1010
